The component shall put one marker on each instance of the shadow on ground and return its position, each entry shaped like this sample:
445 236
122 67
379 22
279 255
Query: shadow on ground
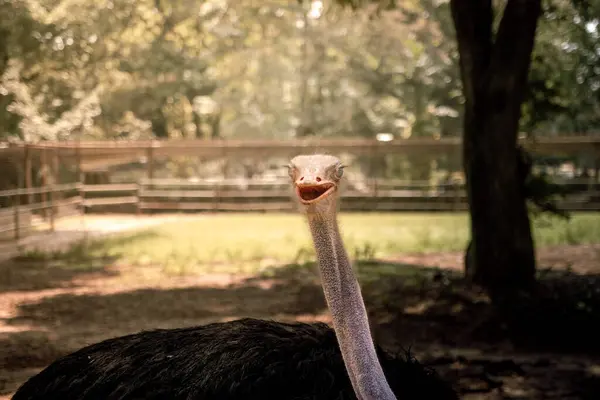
39 275
533 351
40 268
148 308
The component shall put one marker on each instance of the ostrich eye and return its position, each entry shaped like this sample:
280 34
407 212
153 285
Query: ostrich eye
339 172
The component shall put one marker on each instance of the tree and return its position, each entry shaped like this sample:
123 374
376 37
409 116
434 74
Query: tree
494 70
564 80
494 65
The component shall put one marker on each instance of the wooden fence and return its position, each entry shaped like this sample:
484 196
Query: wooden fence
30 207
48 202
89 155
276 195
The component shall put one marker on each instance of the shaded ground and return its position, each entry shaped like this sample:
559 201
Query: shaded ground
547 349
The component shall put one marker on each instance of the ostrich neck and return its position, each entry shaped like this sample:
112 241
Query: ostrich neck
348 312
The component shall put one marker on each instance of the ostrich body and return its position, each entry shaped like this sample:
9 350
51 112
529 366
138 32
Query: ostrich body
249 358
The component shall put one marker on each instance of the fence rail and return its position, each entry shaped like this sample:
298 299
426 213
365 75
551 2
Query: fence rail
90 155
239 195
17 216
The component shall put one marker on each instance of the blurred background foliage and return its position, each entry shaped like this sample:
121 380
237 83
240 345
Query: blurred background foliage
124 69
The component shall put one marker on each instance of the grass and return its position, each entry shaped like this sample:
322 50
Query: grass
251 242
582 228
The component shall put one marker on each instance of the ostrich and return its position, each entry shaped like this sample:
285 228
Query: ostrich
255 359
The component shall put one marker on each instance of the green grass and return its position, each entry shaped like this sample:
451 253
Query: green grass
250 242
582 228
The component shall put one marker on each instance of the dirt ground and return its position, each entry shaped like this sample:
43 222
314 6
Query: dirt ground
47 310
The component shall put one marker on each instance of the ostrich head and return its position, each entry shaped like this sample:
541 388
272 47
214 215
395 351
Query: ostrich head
315 179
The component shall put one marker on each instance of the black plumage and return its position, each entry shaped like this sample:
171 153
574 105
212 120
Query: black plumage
244 359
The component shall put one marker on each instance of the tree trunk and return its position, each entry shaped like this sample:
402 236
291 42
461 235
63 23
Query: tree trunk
494 75
3 50
159 124
215 124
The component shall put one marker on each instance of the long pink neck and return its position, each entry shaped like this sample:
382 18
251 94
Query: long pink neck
347 308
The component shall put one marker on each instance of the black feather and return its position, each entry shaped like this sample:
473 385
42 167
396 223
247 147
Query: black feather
246 359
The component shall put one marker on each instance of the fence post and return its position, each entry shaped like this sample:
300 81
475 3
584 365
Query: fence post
16 207
44 192
138 209
52 194
50 206
458 189
81 188
216 198
80 180
150 161
81 192
80 173
375 188
27 168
